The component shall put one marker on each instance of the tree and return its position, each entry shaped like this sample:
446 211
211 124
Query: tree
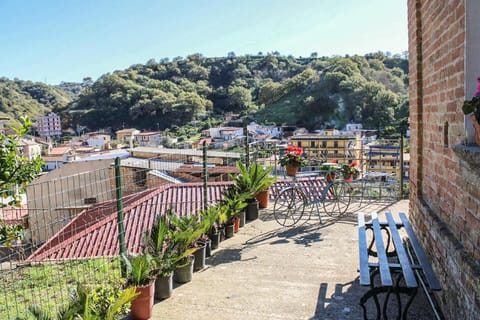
16 171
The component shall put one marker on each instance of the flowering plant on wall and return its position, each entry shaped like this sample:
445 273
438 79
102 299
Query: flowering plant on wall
293 157
472 107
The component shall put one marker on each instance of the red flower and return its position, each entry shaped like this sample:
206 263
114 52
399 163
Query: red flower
294 150
354 163
334 161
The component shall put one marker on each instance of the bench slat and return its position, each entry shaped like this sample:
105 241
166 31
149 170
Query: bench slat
385 275
408 274
433 282
363 251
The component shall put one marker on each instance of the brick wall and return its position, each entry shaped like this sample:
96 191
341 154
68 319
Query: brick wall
444 195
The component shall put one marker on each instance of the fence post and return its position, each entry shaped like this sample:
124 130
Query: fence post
205 176
247 147
121 229
401 165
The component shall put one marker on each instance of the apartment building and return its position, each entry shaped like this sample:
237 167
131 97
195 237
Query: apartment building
49 125
326 147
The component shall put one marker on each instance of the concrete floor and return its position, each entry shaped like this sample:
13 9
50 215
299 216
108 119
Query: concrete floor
270 272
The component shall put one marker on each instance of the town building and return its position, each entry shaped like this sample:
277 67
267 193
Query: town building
98 140
382 158
148 138
326 147
49 125
127 136
29 148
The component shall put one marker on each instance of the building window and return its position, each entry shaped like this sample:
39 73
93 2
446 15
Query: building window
335 144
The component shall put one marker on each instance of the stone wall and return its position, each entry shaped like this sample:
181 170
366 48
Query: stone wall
444 198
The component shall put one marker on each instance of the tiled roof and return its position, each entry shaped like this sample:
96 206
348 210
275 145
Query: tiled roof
94 232
148 133
59 151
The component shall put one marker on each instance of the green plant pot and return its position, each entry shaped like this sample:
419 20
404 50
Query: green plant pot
242 216
200 255
215 238
251 210
208 248
221 230
164 287
184 274
229 230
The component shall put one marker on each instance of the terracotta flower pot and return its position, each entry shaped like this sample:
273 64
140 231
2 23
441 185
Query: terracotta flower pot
262 198
291 170
236 224
142 306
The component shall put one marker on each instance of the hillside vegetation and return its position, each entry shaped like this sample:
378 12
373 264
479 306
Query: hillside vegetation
311 92
26 98
314 92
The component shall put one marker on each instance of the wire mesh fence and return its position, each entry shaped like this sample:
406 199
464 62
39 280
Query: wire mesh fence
70 225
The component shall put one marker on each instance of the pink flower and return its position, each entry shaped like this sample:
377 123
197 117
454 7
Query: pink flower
478 88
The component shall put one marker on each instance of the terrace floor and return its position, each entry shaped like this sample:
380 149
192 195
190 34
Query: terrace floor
270 272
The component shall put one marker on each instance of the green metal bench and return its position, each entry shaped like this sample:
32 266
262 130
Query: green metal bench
401 270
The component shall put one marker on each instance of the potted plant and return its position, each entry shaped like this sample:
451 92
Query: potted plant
187 230
349 171
160 244
266 181
329 169
140 273
250 181
292 160
472 108
99 303
210 220
230 205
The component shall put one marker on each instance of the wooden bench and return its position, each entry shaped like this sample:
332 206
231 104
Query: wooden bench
384 253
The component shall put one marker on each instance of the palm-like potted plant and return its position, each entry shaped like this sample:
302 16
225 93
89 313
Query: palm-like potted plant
250 182
210 219
292 160
98 303
230 206
160 244
140 273
187 230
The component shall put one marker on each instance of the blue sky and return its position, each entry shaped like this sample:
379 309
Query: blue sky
67 40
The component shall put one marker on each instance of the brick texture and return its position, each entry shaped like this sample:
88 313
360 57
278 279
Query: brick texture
445 206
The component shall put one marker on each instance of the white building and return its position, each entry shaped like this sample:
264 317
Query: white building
49 125
30 149
98 140
226 133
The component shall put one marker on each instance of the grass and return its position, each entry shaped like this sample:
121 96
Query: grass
49 284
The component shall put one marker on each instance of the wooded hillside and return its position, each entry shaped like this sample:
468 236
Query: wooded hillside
26 98
312 92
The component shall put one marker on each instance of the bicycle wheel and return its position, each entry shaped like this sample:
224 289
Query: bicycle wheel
289 206
336 198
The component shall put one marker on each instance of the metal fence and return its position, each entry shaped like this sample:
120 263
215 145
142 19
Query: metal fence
76 220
